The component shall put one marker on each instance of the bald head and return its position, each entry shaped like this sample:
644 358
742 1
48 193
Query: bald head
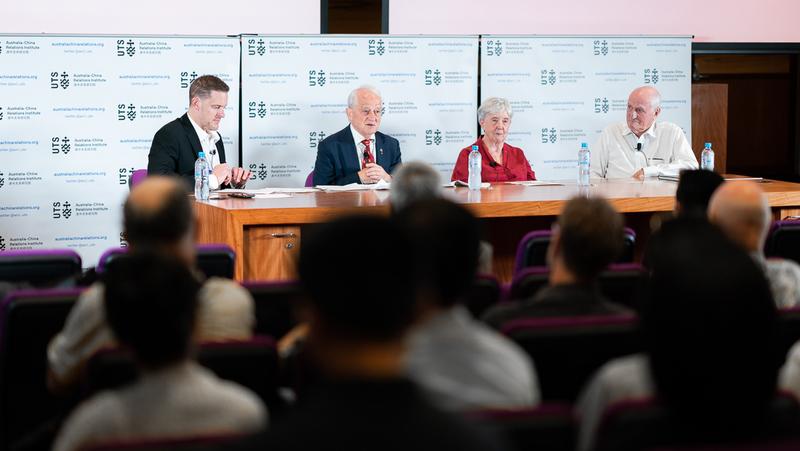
644 106
741 210
158 215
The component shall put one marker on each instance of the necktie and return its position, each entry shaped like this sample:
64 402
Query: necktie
368 158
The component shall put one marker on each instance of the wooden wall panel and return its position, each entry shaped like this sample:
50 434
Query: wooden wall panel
710 121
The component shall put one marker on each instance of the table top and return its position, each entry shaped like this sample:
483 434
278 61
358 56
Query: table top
499 200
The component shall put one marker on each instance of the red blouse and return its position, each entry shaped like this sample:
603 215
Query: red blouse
515 166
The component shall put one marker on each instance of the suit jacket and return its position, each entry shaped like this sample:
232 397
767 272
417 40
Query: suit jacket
175 148
337 161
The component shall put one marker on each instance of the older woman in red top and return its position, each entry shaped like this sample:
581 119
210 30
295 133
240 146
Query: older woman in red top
500 162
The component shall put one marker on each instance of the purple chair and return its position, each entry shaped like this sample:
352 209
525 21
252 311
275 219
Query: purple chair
28 321
548 426
39 266
567 350
214 260
645 424
783 240
532 249
310 180
274 305
136 177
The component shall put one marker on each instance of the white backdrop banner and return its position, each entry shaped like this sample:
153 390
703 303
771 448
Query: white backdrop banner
565 90
77 116
295 88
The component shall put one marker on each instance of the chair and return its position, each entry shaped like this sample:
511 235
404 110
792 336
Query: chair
136 177
783 240
547 427
310 180
274 303
28 320
532 249
214 260
646 424
39 267
251 363
567 350
622 283
484 292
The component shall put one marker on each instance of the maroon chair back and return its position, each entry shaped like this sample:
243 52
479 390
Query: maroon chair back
484 293
214 260
546 427
783 240
39 266
274 305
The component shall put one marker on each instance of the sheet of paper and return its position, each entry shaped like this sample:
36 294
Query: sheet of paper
355 187
457 183
536 183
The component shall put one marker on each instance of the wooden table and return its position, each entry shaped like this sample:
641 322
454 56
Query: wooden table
266 233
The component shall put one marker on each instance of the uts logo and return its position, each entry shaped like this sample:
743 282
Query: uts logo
433 137
317 78
187 78
600 47
548 77
1 48
125 175
2 180
2 244
651 76
258 171
57 80
62 210
314 138
256 47
1 113
123 242
549 135
494 48
126 112
601 105
433 77
376 47
126 48
256 109
58 144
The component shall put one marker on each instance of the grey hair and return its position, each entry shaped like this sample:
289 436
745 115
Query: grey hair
413 182
352 98
494 105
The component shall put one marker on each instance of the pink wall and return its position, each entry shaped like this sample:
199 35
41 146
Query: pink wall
198 17
707 20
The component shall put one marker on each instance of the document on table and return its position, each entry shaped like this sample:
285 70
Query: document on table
381 185
536 183
457 183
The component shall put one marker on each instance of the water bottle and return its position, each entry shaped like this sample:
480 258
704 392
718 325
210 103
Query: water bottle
201 171
707 158
474 180
583 165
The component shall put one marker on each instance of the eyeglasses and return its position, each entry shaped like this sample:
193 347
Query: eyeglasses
377 112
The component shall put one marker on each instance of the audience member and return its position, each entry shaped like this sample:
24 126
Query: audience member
741 210
460 363
357 341
708 324
158 217
641 147
587 237
695 188
150 304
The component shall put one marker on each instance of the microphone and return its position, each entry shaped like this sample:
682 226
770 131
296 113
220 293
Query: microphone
380 151
493 164
638 147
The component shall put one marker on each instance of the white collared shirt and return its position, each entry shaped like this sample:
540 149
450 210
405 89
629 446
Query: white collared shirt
208 143
664 148
360 146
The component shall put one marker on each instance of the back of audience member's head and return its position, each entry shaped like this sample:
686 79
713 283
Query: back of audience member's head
158 216
150 304
695 188
413 182
709 323
357 272
446 237
741 210
589 236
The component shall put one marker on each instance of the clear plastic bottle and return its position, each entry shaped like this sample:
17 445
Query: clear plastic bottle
583 165
707 158
201 171
474 180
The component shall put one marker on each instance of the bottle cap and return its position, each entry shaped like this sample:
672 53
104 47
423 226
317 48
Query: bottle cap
708 145
584 145
201 155
474 147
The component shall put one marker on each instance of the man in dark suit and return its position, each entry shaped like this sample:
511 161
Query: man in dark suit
359 153
176 145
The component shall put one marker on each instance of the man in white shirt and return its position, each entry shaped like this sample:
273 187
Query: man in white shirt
177 145
641 147
358 153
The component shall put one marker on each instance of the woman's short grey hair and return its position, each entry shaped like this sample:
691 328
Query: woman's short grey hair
353 97
413 182
494 105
